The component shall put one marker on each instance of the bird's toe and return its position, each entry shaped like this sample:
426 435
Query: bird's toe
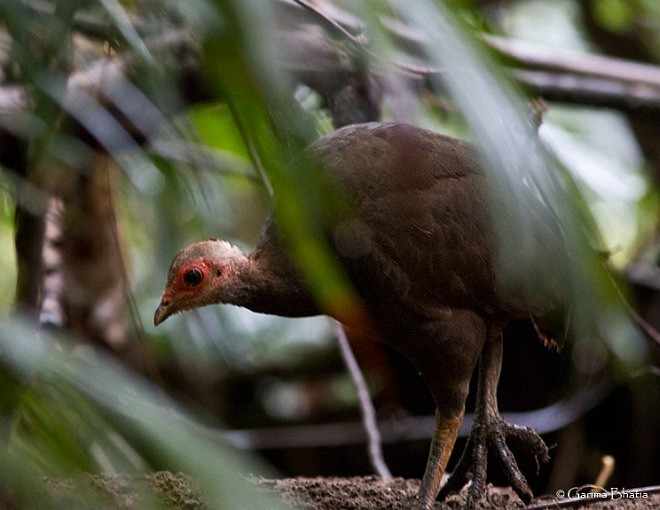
491 435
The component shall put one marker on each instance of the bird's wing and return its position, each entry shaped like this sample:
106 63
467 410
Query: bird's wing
421 220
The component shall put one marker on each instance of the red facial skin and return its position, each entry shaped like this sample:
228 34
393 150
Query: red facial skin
188 288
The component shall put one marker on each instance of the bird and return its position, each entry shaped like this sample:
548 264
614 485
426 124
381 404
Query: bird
418 245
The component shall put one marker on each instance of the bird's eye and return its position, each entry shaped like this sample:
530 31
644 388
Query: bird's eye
193 277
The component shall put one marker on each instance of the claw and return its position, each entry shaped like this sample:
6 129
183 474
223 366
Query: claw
490 433
491 436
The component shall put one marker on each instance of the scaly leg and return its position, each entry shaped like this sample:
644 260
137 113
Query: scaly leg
491 431
442 444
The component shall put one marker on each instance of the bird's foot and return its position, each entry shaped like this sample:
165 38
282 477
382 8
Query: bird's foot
490 433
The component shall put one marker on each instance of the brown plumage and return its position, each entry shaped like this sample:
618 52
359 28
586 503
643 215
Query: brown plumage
418 245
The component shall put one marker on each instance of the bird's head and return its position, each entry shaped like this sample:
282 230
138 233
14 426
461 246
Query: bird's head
201 274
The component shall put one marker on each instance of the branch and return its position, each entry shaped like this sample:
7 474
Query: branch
538 57
585 79
619 94
588 79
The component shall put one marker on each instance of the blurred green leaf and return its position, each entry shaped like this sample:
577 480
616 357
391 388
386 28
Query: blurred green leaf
615 15
217 129
66 429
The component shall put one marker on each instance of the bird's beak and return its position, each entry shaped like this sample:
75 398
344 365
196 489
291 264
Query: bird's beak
163 311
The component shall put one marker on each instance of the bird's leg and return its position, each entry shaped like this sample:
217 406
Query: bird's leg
442 444
490 431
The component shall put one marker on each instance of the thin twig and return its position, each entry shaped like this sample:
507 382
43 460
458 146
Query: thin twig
330 21
366 406
360 47
606 470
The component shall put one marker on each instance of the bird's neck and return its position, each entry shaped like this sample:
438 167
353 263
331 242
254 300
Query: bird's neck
277 291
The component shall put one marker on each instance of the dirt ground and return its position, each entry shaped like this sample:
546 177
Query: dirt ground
374 493
179 492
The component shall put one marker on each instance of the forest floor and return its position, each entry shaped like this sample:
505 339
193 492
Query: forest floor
179 492
374 493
